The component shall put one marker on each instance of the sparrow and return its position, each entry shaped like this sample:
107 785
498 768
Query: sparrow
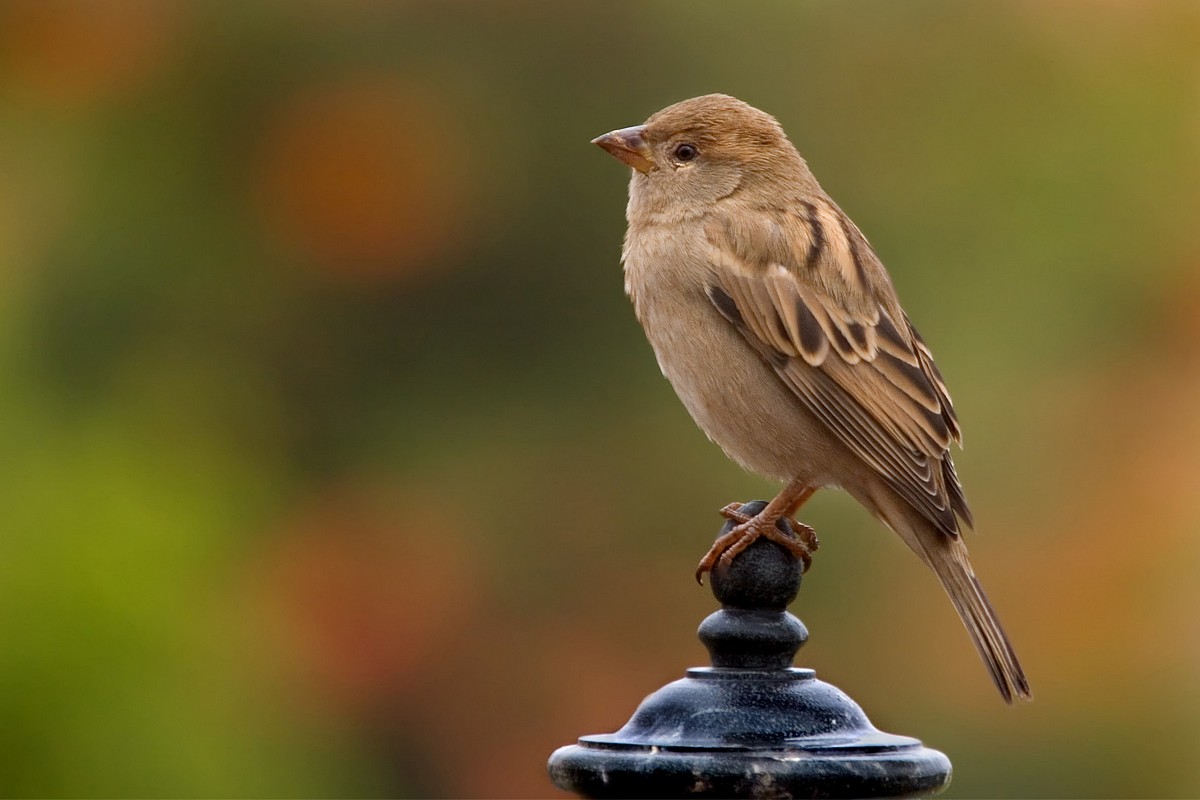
779 328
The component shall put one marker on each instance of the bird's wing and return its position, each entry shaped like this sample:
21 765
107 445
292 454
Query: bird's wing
811 297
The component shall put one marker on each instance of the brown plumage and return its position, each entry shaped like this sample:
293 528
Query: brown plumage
780 330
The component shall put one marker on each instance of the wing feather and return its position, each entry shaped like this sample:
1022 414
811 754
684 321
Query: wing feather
824 315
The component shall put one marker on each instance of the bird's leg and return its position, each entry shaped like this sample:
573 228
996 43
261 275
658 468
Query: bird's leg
806 534
749 529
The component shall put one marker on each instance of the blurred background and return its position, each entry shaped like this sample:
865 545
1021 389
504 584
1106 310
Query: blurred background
336 464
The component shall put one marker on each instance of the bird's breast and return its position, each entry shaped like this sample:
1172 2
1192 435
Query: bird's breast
732 394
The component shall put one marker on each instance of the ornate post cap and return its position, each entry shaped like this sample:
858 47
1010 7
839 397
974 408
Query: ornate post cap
751 725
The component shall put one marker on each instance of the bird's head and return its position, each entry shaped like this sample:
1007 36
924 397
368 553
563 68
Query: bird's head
703 149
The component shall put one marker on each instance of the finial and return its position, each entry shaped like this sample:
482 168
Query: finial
753 630
751 725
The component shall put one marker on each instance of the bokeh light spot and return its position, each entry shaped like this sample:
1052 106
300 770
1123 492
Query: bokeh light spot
364 177
71 53
367 591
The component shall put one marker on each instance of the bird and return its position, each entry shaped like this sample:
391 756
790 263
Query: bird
777 325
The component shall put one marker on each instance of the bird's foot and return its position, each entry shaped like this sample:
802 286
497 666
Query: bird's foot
808 541
748 530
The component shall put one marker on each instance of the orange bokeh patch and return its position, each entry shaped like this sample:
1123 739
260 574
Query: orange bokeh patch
367 592
363 177
74 53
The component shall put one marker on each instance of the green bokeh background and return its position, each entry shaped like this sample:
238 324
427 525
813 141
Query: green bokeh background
336 465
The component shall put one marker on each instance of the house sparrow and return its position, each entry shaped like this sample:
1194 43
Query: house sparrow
780 330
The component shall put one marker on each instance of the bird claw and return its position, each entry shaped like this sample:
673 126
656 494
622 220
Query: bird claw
808 539
733 512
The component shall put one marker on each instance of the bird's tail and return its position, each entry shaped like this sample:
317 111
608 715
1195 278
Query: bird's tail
947 557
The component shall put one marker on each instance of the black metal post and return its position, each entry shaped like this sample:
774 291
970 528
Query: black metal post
751 725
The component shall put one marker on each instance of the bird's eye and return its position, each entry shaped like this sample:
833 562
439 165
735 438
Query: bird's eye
685 152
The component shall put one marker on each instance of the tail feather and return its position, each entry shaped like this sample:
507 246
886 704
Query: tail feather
947 557
980 619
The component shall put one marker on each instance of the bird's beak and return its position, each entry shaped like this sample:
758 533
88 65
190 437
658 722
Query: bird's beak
627 145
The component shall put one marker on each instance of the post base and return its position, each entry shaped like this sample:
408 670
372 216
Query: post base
749 733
